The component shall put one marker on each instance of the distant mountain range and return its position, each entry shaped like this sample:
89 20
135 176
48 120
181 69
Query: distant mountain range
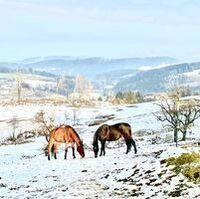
160 79
89 67
147 75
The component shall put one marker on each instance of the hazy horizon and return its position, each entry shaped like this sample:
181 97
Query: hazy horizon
109 29
83 57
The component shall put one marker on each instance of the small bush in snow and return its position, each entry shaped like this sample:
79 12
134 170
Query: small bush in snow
188 164
46 123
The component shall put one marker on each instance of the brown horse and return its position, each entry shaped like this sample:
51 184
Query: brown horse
111 133
65 134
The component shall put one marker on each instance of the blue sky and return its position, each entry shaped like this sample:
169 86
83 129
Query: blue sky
105 28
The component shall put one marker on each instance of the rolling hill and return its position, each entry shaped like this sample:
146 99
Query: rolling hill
160 79
89 67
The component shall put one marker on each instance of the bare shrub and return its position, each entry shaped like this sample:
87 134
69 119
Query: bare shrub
46 123
177 113
13 122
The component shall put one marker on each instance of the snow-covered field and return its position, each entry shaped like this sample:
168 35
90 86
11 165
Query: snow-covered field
26 173
33 85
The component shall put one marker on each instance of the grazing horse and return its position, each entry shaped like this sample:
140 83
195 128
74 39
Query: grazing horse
111 133
65 134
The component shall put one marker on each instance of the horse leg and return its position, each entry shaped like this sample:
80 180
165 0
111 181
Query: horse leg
50 145
73 151
104 144
128 144
52 150
65 153
102 148
134 145
55 150
55 156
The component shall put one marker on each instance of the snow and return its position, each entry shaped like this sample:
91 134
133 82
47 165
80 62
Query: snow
146 68
26 173
193 74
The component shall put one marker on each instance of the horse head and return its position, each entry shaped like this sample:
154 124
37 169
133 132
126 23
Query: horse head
80 149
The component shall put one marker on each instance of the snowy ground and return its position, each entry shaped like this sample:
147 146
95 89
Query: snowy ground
26 173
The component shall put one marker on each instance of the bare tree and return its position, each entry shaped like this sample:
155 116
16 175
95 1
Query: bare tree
46 124
169 114
59 83
14 122
76 104
19 80
82 85
79 84
177 113
78 97
189 113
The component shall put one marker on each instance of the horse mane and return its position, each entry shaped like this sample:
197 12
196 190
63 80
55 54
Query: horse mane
78 139
75 133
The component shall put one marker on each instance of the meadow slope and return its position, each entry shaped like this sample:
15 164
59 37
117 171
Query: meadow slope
26 173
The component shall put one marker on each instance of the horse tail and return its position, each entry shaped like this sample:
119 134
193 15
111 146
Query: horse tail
50 146
47 137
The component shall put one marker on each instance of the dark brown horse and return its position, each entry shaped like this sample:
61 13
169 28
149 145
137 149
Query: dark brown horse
111 133
65 134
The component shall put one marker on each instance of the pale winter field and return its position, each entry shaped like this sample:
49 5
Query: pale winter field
25 171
